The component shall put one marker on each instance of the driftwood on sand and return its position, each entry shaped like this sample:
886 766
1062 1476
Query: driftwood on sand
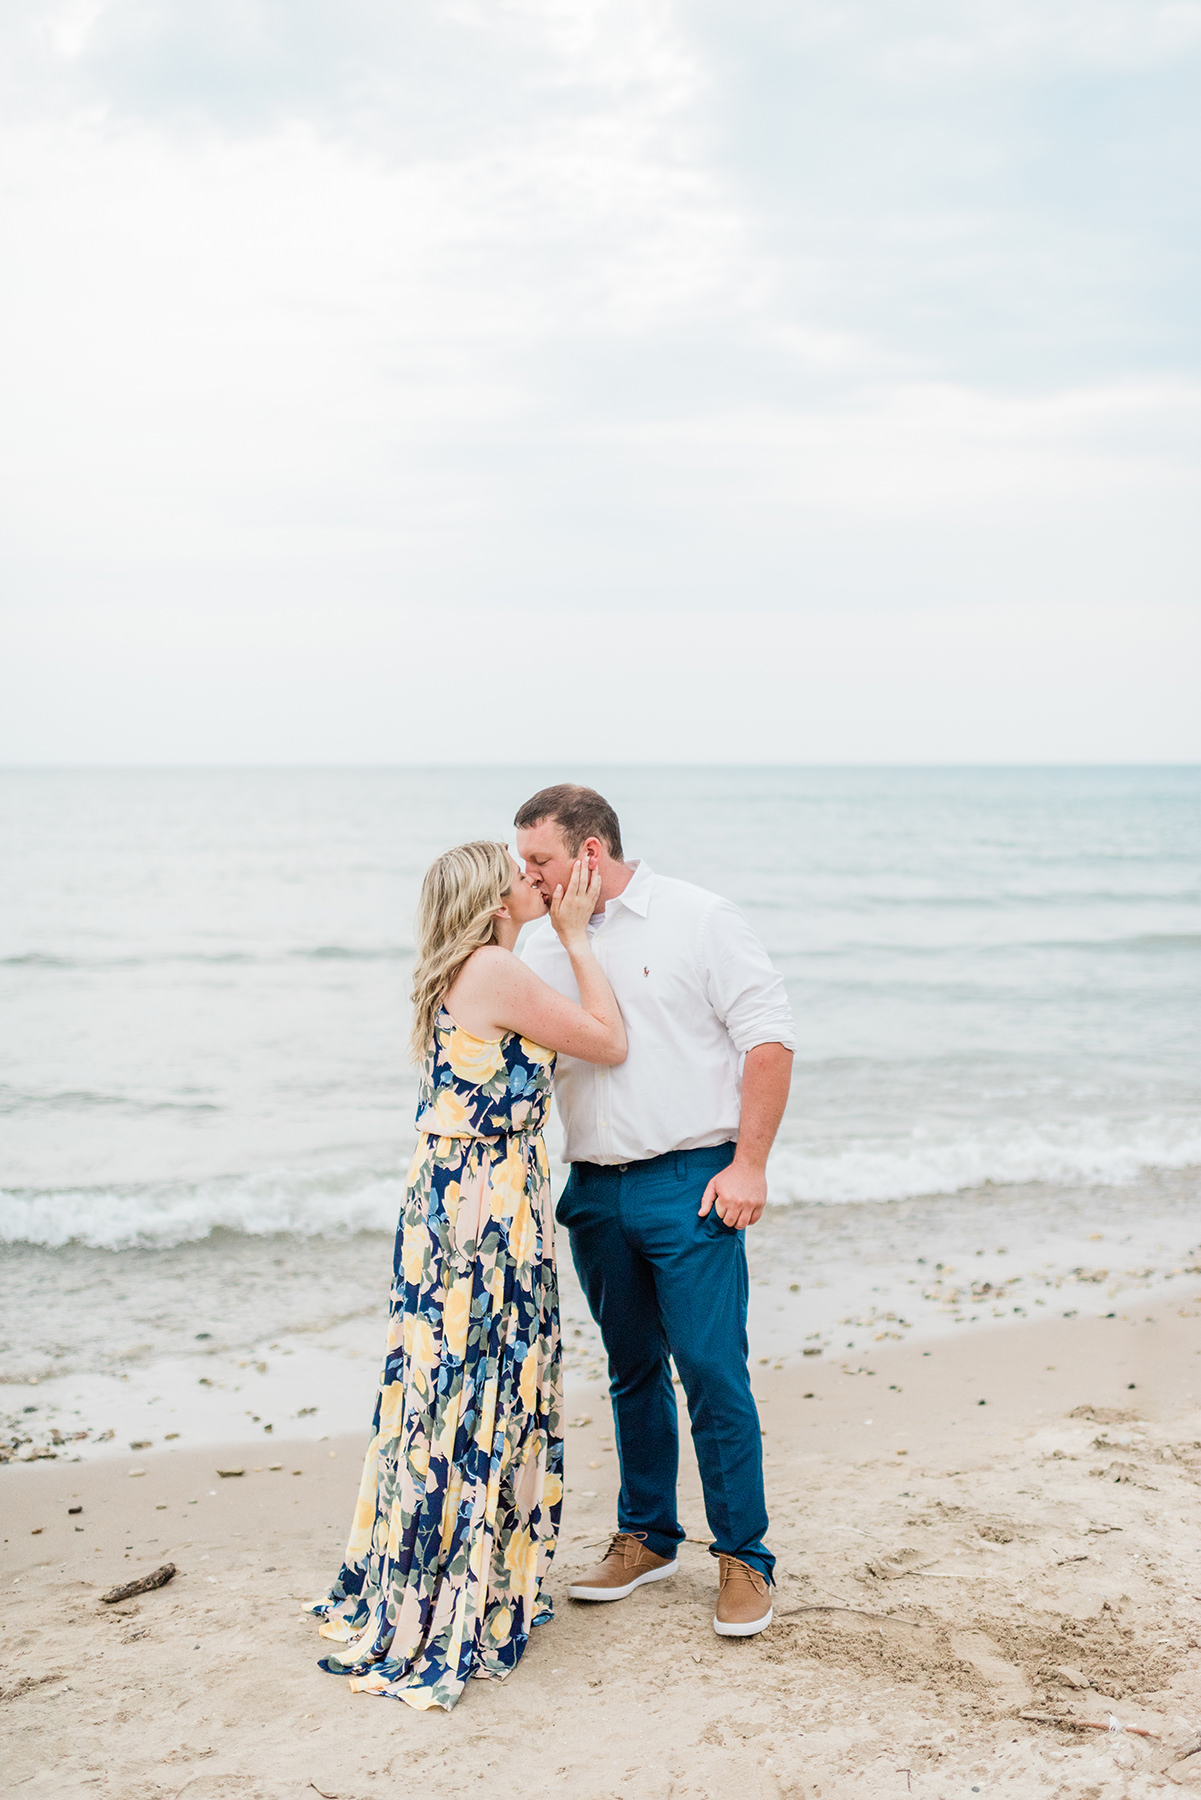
1073 1724
143 1585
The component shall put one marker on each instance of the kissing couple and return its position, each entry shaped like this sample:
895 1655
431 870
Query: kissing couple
654 1013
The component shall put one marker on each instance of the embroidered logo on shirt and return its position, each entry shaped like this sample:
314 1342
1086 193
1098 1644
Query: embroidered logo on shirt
646 971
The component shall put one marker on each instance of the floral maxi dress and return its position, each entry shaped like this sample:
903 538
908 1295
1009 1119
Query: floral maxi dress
458 1508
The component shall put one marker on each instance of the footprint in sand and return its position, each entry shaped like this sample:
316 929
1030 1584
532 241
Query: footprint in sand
1008 1683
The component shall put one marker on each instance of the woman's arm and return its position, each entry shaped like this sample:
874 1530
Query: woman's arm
496 985
593 1031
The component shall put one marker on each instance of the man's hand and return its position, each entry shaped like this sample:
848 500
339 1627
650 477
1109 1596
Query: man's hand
739 1194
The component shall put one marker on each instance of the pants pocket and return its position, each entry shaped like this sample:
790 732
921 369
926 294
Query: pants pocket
568 1208
714 1227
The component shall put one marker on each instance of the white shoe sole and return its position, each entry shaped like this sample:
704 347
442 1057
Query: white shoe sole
589 1593
724 1630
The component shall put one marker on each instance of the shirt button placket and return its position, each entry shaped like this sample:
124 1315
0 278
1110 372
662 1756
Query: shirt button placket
602 1073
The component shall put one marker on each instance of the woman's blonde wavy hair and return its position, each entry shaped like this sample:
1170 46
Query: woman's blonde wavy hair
459 896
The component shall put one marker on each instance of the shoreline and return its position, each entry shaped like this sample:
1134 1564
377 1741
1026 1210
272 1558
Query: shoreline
246 1339
942 1562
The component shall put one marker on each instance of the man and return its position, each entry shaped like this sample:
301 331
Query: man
668 1157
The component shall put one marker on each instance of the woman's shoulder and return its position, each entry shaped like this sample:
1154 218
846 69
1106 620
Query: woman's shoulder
491 960
496 961
487 970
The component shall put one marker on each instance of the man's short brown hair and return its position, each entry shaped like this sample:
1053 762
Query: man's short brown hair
579 812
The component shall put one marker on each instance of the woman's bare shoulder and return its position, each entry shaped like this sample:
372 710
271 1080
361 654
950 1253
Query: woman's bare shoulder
486 989
490 963
491 956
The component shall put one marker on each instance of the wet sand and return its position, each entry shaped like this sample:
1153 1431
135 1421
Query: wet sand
944 1567
243 1339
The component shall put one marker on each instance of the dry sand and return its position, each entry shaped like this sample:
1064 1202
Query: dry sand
944 1567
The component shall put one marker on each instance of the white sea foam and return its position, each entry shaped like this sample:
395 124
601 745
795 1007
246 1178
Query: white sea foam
1088 1153
337 1202
308 1203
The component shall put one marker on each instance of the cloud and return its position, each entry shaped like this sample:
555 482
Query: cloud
512 312
998 192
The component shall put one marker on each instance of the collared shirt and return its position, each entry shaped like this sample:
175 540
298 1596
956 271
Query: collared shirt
696 990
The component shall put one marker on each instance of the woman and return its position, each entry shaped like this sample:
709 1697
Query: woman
459 1502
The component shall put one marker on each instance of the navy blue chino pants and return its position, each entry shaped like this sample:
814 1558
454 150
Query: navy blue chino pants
660 1283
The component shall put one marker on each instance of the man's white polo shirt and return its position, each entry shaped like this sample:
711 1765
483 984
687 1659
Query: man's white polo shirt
697 991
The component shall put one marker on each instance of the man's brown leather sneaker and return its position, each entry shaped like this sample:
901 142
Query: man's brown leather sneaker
626 1564
743 1599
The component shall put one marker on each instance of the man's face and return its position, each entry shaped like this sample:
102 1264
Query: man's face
547 859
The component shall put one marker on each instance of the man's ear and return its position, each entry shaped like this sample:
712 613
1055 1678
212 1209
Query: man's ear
590 850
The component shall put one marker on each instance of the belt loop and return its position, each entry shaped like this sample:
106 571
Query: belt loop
681 1171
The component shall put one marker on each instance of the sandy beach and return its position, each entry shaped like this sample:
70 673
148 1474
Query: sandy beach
968 1531
985 1187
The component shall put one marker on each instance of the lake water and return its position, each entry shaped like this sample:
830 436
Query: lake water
996 976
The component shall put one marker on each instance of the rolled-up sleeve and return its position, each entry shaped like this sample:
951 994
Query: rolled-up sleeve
743 988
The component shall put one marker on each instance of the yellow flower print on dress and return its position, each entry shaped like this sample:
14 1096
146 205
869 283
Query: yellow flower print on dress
450 1200
523 1233
456 1316
528 1387
363 1522
444 1443
520 1561
485 1430
450 1510
461 1491
391 1413
473 1059
508 1183
450 1113
396 1525
414 1249
420 1335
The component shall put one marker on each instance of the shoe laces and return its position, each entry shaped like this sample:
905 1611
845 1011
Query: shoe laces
734 1569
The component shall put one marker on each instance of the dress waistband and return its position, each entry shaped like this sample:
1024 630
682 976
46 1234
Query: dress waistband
527 1142
479 1137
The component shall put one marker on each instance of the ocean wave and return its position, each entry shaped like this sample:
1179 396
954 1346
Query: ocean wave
341 1201
81 1100
847 949
1162 940
38 959
301 1203
349 953
35 959
1091 1153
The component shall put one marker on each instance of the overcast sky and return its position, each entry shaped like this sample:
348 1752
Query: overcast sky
716 380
